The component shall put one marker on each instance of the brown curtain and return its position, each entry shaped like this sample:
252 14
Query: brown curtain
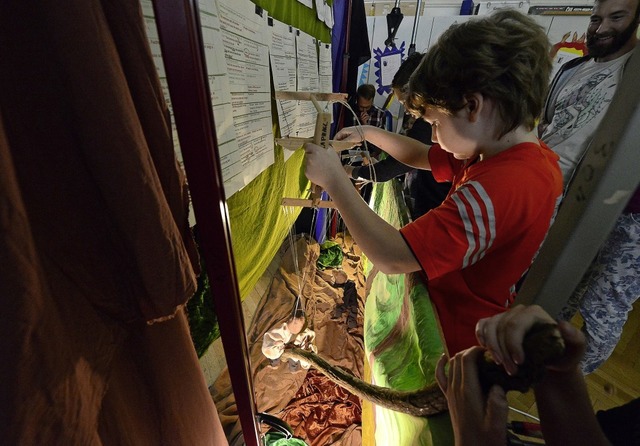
96 256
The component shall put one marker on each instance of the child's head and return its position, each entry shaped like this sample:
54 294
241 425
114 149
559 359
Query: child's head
503 56
403 74
297 322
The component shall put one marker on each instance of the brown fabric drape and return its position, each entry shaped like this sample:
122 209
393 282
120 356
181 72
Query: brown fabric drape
319 412
94 239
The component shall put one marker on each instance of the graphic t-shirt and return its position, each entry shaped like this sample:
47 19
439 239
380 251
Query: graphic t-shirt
579 106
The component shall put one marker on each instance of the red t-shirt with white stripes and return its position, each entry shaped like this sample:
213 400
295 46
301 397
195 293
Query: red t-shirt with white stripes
477 245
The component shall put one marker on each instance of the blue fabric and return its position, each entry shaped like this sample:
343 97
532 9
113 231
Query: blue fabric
607 292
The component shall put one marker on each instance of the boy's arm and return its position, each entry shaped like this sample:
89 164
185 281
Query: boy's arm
381 171
406 150
382 243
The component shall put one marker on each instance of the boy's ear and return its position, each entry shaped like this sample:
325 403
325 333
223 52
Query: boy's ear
475 102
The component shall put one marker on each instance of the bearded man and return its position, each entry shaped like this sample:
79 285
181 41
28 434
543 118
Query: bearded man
578 99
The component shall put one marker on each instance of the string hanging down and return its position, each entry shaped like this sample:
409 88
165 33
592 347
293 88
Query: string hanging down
320 137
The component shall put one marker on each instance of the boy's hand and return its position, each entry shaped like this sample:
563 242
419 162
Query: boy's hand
351 134
323 167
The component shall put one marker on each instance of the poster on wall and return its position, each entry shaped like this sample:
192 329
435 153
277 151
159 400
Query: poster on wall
385 61
568 37
220 97
309 81
282 52
245 35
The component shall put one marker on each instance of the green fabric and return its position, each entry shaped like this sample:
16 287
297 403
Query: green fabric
259 222
278 439
331 255
294 13
406 361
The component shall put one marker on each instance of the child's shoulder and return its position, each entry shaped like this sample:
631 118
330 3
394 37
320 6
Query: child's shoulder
526 158
526 166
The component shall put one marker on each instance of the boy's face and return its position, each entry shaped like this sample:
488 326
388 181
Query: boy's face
452 133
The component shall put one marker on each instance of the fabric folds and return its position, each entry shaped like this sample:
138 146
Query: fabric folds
94 240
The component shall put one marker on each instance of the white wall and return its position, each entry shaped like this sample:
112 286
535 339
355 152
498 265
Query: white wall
438 15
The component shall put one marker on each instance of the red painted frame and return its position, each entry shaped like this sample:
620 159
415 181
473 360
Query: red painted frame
181 42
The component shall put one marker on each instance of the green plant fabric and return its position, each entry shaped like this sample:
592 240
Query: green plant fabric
294 13
331 255
203 322
405 358
278 439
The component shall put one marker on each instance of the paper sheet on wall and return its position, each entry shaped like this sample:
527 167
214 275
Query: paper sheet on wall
389 65
325 70
320 9
282 51
308 80
228 148
244 36
328 15
325 67
154 43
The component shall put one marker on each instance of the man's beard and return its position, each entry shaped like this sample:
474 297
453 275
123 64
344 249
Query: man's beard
619 40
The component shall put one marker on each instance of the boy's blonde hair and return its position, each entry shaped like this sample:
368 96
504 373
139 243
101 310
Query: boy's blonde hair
503 56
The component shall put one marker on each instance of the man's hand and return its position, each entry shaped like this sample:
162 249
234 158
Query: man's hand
502 335
477 419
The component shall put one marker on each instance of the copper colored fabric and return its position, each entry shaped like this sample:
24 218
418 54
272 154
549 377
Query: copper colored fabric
94 239
322 411
290 394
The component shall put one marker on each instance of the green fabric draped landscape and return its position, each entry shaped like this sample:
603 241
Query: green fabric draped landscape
402 340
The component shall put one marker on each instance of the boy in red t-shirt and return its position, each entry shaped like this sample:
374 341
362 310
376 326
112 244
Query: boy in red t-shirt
481 87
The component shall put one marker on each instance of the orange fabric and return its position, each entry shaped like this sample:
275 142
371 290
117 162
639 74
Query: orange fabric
321 411
94 239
